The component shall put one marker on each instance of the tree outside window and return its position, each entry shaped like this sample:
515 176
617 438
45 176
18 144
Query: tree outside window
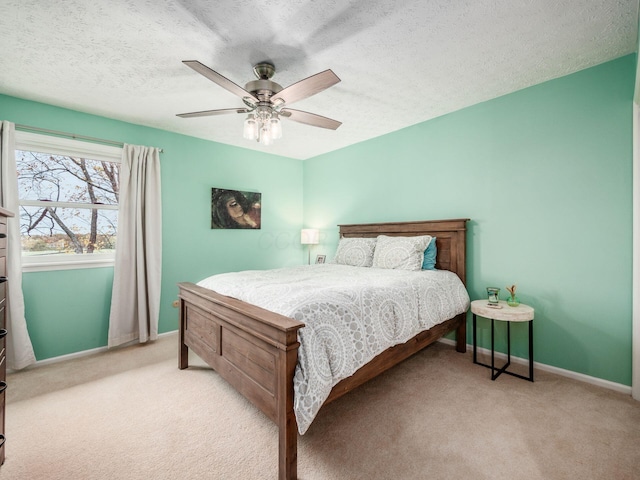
69 204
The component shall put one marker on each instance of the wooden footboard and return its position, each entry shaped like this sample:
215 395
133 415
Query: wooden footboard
253 349
256 350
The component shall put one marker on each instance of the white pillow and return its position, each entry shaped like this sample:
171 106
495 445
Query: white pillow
404 253
357 252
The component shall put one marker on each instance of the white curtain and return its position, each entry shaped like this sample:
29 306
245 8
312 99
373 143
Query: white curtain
19 349
135 302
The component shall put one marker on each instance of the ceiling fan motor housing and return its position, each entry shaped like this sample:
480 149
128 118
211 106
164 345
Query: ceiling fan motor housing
265 87
264 70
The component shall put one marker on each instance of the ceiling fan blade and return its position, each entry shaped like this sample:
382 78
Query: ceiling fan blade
305 88
209 113
219 79
310 119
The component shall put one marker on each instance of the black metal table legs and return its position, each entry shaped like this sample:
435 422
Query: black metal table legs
496 372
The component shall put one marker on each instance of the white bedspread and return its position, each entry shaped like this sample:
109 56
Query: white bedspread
351 314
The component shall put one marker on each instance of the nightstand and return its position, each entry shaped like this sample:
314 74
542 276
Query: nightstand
521 313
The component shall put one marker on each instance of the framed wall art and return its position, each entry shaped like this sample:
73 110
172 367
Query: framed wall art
235 209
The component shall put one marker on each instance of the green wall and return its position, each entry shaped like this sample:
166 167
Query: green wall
545 175
68 311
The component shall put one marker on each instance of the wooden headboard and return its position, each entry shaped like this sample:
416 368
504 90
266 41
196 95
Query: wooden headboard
451 238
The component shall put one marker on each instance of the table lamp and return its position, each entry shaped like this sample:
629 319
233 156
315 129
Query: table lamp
309 236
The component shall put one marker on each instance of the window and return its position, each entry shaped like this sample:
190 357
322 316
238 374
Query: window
68 192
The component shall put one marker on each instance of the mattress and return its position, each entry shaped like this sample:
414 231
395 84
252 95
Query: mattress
351 314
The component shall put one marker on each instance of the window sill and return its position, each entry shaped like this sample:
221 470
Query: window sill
43 265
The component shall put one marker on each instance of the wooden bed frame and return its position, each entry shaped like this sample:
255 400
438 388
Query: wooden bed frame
256 350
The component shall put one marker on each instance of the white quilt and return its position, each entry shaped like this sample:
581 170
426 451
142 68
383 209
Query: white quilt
351 314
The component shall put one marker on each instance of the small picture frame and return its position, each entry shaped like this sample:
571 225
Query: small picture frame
320 258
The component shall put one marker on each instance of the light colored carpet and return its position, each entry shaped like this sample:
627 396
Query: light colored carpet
131 414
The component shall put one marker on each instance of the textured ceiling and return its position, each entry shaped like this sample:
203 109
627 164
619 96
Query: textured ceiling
400 62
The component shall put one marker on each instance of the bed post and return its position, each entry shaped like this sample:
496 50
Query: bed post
461 334
460 267
183 354
287 426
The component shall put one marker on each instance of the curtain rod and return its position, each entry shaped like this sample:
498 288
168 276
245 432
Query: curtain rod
71 135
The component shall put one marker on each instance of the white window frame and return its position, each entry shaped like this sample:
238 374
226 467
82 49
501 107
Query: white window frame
35 142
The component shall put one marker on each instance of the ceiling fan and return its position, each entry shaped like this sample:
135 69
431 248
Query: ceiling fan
266 101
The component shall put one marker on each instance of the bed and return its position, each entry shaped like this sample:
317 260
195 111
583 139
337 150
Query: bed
256 350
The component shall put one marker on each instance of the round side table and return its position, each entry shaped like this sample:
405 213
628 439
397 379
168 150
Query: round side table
503 313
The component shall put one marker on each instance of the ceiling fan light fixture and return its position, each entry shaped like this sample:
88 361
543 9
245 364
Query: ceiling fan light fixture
250 128
263 125
276 127
266 138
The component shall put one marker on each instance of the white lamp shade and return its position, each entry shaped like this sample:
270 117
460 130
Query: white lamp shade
309 236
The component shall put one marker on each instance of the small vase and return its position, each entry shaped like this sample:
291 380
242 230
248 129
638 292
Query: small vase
513 301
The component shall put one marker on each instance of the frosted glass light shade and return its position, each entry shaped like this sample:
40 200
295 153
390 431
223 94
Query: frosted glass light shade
276 128
250 128
265 135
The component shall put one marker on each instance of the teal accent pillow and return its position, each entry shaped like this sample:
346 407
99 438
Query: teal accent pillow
429 262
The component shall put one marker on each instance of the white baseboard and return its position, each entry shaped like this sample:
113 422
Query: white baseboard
618 387
86 353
